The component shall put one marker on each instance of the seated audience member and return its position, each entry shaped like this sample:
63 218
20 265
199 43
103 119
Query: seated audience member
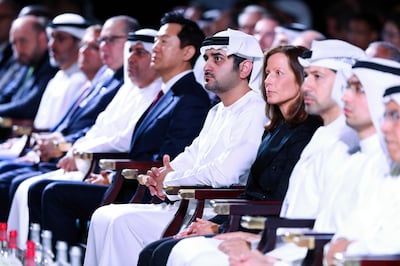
366 84
39 10
322 90
10 68
166 127
373 225
9 13
9 65
362 29
383 49
264 31
320 68
287 33
306 38
248 17
391 29
282 141
83 114
20 97
64 88
361 97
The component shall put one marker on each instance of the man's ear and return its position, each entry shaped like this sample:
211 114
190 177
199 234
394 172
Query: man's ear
188 52
245 68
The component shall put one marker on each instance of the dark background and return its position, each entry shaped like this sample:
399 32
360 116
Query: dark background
149 12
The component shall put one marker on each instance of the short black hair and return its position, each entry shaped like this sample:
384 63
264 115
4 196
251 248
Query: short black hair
191 34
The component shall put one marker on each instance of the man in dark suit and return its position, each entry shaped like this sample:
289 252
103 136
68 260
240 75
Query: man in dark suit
168 126
21 97
9 65
74 125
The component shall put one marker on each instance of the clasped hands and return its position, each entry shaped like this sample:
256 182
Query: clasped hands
236 245
45 145
198 228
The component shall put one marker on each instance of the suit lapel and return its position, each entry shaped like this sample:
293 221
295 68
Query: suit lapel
164 103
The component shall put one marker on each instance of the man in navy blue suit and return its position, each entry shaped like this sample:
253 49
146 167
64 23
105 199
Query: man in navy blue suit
167 127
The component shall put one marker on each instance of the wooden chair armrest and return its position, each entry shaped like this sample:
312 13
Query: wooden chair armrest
15 127
126 165
97 156
279 222
200 194
237 208
63 146
211 193
372 260
262 222
9 122
242 207
94 159
138 167
176 190
274 222
21 130
314 242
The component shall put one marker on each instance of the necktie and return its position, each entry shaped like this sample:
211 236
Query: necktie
144 115
26 84
156 99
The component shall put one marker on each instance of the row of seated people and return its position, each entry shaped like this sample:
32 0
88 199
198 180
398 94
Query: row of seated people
71 81
49 72
42 71
363 220
308 125
29 169
103 83
165 127
330 196
346 201
16 69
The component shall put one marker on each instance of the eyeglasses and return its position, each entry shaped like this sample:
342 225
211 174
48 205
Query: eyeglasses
110 39
392 116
